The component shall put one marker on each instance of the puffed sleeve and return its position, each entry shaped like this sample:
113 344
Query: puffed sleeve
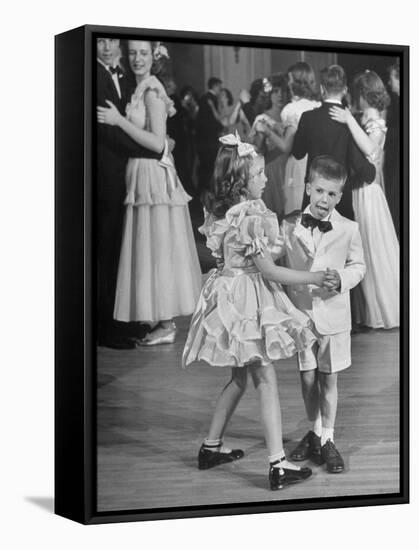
214 230
152 84
258 230
290 116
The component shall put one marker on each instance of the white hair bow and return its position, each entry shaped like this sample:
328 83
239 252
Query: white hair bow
243 149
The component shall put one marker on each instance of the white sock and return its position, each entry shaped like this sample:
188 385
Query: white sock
278 456
216 445
316 426
282 461
327 433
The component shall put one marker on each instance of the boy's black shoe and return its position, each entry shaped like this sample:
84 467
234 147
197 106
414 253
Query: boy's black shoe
332 457
281 477
309 447
208 459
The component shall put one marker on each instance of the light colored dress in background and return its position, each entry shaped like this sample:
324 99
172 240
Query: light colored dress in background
295 170
275 162
242 317
159 275
380 286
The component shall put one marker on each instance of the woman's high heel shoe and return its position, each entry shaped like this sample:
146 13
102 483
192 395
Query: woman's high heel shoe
168 338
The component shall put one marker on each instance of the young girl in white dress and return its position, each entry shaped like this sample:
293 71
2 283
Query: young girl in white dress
159 275
381 248
244 320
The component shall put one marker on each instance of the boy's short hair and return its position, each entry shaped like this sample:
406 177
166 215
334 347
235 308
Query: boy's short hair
333 79
328 168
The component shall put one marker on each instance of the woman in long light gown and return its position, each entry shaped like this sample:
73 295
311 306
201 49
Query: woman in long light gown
381 248
159 277
266 128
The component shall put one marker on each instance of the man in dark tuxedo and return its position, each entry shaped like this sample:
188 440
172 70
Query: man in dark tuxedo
208 130
114 147
318 134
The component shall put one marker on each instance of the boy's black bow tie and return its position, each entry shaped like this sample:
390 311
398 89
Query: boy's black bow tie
114 70
307 220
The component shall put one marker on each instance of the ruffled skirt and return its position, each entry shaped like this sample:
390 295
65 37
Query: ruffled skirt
159 276
243 318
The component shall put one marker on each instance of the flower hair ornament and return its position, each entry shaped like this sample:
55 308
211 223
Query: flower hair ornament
243 149
267 85
160 51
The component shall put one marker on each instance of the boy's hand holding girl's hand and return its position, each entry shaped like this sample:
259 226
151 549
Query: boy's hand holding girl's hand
331 280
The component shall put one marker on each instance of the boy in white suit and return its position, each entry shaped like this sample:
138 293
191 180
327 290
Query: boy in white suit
321 239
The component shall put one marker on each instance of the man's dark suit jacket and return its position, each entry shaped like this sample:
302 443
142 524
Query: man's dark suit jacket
207 126
318 134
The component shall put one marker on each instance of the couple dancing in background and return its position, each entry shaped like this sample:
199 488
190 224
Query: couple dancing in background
155 275
292 134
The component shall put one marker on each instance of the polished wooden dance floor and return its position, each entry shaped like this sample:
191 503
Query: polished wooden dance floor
152 417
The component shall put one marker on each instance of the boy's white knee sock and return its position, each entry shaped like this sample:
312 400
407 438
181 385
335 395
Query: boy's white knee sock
327 433
316 426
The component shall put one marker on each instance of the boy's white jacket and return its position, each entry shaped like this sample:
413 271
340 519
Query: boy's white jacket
340 249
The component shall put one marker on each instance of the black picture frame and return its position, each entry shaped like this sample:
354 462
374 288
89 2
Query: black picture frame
75 389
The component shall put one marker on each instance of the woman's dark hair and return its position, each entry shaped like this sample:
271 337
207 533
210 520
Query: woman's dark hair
229 182
255 88
279 82
328 168
303 81
229 95
188 90
370 87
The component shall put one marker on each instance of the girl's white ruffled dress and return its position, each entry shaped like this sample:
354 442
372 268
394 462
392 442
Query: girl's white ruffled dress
242 317
159 276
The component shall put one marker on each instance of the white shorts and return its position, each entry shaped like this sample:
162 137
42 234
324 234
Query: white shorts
330 354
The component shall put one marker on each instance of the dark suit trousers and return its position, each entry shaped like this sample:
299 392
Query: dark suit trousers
110 215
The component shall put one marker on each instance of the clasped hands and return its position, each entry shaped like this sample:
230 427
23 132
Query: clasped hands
331 280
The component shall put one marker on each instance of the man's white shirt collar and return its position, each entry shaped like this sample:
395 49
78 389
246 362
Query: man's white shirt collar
332 100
